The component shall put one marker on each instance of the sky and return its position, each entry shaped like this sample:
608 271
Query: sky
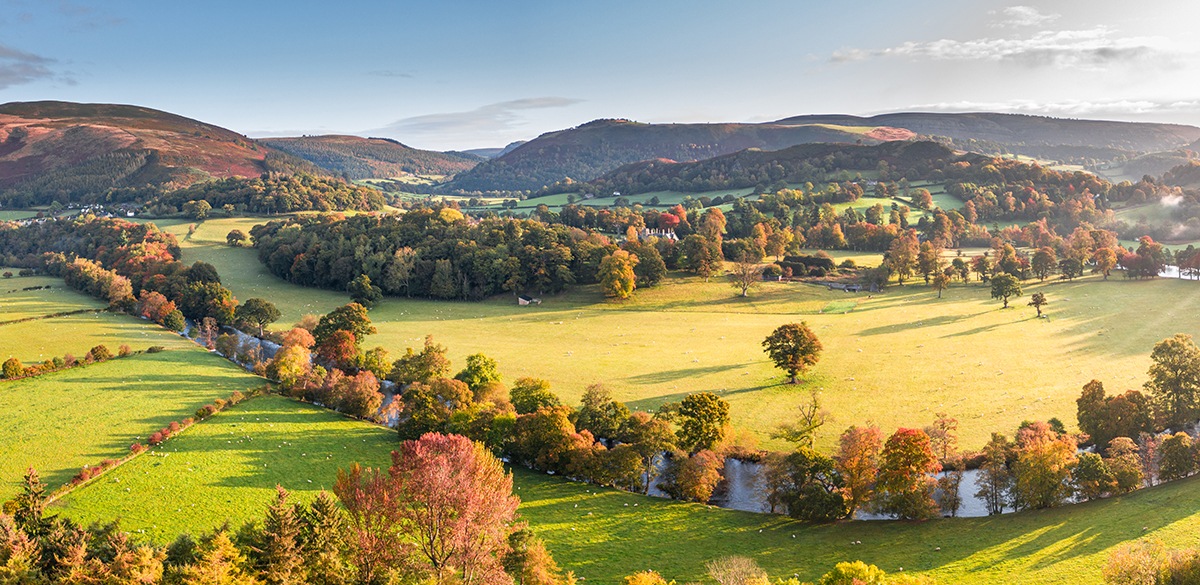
468 74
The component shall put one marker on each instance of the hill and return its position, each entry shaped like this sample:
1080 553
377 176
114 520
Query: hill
751 168
63 151
1039 136
588 151
494 152
355 157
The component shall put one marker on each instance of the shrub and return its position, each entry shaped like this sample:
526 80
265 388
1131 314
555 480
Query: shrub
173 427
219 404
156 439
69 360
100 353
124 350
205 411
155 349
12 368
137 448
236 397
187 422
772 271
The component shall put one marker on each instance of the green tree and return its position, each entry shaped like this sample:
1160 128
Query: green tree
1174 384
1177 458
352 317
1005 286
813 490
443 285
702 420
424 366
281 555
1091 477
600 413
363 292
995 477
1042 470
257 312
794 348
617 278
236 238
528 395
1043 262
1037 301
481 370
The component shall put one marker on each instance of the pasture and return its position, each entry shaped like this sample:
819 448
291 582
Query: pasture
61 421
896 359
42 339
16 303
226 468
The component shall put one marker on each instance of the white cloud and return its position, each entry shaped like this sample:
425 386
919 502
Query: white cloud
1088 49
1021 17
492 118
19 67
1068 108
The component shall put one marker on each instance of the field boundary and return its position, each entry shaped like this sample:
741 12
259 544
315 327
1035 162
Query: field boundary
54 316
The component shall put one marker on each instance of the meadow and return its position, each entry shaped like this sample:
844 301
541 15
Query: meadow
61 421
16 303
895 359
226 468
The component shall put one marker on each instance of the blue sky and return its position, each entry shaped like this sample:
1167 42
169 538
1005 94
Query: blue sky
450 74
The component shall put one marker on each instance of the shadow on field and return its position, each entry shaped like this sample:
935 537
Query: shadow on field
673 375
656 401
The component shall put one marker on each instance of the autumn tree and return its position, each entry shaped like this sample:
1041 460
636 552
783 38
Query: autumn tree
1123 462
351 317
424 366
12 369
1037 301
1104 418
377 526
702 420
901 256
746 274
694 478
617 278
530 394
940 282
1042 469
528 561
995 478
1043 262
1005 286
904 488
457 502
794 348
929 259
217 561
857 460
1174 384
1106 260
339 350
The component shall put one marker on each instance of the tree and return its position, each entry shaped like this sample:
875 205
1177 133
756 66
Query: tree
1004 286
30 503
1177 458
281 557
1124 464
702 420
352 317
376 524
1091 477
995 477
650 438
363 292
1106 260
858 461
197 209
12 368
793 348
338 350
1174 384
531 394
617 278
458 503
812 488
803 432
943 436
1043 262
901 256
174 321
1037 301
257 312
424 366
746 274
480 371
1104 418
701 255
940 282
929 260
99 353
904 488
856 573
650 268
236 238
443 285
695 477
399 272
600 414
1042 470
529 563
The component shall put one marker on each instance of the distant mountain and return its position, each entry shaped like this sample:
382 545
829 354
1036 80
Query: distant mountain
372 158
588 151
753 167
63 150
495 152
1024 132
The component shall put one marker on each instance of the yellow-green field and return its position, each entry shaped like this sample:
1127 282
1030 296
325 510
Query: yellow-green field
43 339
62 421
16 303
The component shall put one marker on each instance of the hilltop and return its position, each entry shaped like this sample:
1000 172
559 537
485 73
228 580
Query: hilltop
66 150
355 157
593 149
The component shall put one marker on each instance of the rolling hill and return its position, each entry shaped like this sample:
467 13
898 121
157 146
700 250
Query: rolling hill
355 157
66 150
588 151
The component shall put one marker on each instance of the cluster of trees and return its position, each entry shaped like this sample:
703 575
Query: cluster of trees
436 252
117 254
270 193
443 513
13 369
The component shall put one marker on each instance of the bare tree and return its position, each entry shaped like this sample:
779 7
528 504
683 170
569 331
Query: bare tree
746 274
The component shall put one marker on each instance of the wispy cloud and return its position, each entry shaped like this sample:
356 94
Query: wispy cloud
492 118
19 67
390 73
1093 48
1021 17
1067 107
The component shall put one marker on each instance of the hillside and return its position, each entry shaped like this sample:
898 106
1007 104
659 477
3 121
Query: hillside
1025 134
750 168
355 157
494 152
588 151
65 151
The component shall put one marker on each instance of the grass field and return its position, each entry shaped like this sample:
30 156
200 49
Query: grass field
23 304
896 359
62 421
226 469
42 339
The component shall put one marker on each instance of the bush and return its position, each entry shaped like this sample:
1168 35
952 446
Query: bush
156 439
173 427
137 448
155 349
205 411
772 271
236 397
124 350
817 272
219 404
99 353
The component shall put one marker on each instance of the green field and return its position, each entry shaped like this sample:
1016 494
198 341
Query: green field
896 359
23 304
43 339
62 421
227 467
